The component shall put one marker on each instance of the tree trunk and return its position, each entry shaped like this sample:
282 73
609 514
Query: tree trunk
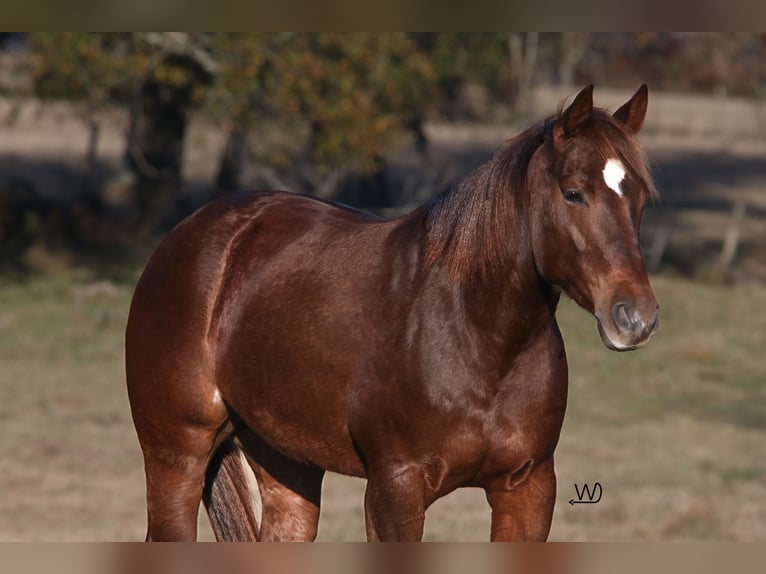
159 119
233 161
523 55
155 147
572 46
661 237
733 233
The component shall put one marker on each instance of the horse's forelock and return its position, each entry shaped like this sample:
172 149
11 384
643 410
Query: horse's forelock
613 140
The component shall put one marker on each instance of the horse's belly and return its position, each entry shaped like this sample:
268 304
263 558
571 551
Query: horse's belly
289 383
304 439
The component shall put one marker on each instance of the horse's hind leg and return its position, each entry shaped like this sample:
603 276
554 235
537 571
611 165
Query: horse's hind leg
175 474
290 492
180 420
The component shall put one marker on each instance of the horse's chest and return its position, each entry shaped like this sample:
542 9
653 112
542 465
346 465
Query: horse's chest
521 428
503 440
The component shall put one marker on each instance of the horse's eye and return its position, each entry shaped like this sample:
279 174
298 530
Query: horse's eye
574 196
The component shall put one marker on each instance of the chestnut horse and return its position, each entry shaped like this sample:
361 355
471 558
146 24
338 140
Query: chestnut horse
298 336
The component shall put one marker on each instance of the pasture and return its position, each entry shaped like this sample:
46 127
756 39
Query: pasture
673 432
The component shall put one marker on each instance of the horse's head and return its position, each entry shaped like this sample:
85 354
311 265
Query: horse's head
589 194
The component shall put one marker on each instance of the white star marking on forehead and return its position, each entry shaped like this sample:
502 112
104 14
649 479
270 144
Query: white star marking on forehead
614 173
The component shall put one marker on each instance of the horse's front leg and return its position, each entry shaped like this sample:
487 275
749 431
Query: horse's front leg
394 503
522 503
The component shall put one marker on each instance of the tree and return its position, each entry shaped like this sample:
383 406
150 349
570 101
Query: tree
350 95
461 59
173 84
159 76
522 47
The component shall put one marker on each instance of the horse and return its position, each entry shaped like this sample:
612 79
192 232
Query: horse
298 336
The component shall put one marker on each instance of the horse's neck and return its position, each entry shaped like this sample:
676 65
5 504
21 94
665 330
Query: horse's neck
502 296
507 290
510 303
504 304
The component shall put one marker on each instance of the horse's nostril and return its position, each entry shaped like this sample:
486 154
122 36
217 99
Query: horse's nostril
621 317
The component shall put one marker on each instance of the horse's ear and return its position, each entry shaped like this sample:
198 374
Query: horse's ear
633 112
575 116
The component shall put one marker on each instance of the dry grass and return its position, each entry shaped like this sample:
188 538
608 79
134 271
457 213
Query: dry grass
674 432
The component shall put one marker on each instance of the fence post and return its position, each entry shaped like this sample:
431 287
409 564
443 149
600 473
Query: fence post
733 233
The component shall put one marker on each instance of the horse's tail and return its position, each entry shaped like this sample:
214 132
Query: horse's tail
231 496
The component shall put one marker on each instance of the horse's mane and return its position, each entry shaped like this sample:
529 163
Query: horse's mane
468 224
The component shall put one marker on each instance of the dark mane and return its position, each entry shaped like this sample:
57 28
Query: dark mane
468 224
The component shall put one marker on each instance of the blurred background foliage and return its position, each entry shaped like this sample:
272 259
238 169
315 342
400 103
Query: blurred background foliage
352 92
316 113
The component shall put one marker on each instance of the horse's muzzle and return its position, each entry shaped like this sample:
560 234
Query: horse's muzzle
629 326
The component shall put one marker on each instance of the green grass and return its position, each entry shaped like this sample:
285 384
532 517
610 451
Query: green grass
67 443
675 432
707 360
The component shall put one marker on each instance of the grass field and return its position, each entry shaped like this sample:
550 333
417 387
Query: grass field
675 433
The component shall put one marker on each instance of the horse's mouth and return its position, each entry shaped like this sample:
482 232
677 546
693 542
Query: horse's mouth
621 346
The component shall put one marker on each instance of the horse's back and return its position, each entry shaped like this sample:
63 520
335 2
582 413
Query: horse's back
184 274
185 285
